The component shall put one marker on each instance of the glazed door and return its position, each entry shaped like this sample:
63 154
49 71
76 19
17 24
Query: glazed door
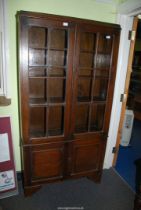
93 91
46 76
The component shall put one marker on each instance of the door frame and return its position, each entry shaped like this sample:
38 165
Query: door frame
125 17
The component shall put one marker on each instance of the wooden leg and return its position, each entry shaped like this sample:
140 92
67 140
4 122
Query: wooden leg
96 177
28 191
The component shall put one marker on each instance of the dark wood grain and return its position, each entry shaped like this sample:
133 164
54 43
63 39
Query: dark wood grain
67 69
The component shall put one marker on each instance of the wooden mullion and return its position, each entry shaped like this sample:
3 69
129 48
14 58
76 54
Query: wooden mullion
47 56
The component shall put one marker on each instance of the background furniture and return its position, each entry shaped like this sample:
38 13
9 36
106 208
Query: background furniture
67 71
134 96
137 202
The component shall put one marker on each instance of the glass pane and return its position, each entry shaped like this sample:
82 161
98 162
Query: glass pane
37 72
104 51
37 57
55 120
82 113
100 89
37 121
97 117
37 88
56 72
37 37
85 72
87 41
59 39
102 73
103 60
84 89
57 58
86 60
105 43
56 90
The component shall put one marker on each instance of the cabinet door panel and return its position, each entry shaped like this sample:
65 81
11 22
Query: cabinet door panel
86 157
46 78
93 80
47 163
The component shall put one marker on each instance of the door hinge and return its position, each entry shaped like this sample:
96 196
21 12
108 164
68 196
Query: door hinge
123 97
132 35
114 150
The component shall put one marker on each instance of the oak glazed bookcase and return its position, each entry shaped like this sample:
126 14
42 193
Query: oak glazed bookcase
67 69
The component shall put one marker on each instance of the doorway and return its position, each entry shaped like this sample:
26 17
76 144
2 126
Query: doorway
130 122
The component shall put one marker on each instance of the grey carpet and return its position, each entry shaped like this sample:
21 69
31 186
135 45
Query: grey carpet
81 194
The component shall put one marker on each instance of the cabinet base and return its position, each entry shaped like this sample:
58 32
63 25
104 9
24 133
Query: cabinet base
28 191
95 177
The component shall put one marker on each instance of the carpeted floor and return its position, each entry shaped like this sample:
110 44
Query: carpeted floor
81 194
127 155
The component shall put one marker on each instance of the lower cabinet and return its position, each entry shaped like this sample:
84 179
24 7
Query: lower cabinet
56 161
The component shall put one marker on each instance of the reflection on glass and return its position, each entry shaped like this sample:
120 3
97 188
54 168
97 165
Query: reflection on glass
104 51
